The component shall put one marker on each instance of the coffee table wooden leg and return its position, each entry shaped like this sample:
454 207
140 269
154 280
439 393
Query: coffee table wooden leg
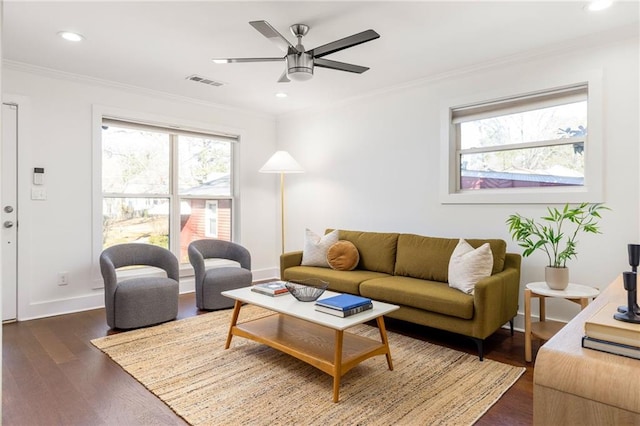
234 321
385 340
337 365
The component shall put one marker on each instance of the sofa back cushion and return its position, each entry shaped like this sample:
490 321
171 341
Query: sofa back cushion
377 250
428 257
498 249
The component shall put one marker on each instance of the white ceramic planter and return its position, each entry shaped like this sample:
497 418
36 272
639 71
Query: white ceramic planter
556 278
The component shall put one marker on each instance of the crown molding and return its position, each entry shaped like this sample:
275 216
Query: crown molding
591 41
67 76
598 40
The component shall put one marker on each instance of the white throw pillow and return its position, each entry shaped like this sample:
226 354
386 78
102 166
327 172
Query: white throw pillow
316 248
468 266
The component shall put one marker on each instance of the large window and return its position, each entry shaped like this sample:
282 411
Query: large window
532 144
165 187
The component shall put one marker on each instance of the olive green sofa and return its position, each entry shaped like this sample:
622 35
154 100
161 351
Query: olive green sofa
412 271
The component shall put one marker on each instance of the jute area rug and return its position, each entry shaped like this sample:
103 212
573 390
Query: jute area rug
184 363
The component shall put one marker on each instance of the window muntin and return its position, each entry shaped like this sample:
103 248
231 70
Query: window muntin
157 181
523 142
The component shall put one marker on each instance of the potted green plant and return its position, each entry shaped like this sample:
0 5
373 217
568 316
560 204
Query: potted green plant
556 235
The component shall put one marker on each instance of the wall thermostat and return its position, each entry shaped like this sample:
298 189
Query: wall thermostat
38 175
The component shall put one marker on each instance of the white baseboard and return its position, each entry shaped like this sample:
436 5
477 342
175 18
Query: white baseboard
266 274
50 308
518 321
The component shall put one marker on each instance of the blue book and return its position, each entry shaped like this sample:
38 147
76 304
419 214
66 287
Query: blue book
343 302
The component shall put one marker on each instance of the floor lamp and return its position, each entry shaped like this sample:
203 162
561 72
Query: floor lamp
281 162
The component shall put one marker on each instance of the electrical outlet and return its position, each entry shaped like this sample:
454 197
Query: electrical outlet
63 278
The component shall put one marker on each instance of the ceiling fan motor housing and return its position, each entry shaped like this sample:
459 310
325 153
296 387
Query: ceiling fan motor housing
299 66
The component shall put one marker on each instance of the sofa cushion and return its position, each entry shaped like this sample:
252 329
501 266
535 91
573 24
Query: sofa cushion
343 256
498 249
467 266
340 281
428 257
316 248
428 295
377 249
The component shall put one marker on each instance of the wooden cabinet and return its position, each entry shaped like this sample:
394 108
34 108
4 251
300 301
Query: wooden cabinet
573 385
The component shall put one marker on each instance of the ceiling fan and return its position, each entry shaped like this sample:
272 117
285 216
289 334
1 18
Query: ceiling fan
300 62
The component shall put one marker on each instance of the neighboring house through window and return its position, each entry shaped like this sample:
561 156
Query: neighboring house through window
211 219
164 186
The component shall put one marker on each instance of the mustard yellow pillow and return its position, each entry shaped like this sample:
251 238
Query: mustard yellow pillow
343 256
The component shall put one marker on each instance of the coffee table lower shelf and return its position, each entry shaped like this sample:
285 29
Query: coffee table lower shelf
334 352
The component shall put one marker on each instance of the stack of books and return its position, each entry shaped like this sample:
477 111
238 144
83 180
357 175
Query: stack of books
604 333
275 288
344 305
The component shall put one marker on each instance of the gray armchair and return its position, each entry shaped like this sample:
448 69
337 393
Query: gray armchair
139 302
210 282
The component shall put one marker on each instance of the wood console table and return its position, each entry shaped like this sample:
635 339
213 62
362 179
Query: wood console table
573 385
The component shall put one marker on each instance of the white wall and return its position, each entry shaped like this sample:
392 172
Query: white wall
56 133
373 164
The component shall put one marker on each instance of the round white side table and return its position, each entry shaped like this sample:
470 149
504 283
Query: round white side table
544 329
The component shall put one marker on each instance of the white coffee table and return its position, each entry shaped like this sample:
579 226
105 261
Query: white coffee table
316 338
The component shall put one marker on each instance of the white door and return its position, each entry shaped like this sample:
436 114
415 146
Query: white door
9 211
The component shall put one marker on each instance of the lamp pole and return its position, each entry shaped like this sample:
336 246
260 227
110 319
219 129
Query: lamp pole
282 209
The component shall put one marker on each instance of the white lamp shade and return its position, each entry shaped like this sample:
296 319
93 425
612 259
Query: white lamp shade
281 162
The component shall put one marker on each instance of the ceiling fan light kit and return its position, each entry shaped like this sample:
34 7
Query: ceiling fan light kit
300 62
299 67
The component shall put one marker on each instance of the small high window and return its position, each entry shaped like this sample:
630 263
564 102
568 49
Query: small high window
511 148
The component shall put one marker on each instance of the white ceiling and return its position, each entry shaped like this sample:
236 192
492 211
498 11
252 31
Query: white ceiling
156 44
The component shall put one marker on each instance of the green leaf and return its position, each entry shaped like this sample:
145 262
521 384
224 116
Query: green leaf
553 236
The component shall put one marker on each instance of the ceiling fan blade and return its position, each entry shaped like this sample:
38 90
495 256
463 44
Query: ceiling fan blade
344 43
283 78
240 60
269 32
335 65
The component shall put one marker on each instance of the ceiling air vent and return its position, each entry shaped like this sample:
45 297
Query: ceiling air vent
204 80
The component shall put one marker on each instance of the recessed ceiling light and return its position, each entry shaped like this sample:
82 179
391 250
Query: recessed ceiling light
596 5
69 36
281 95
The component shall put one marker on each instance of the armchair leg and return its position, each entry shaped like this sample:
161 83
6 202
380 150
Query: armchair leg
511 326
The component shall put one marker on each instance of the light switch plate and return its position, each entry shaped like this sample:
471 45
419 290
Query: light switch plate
38 194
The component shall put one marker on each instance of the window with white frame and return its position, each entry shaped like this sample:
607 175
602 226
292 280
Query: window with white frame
532 144
164 186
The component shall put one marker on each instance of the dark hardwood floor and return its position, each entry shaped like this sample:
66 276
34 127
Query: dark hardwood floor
52 375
